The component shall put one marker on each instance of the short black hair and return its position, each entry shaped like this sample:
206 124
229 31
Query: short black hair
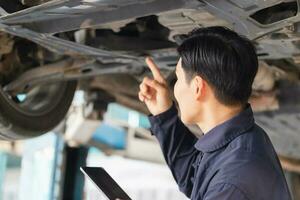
226 60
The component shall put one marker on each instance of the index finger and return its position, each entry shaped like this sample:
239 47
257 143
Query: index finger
155 71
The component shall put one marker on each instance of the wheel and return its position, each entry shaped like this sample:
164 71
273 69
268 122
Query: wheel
36 112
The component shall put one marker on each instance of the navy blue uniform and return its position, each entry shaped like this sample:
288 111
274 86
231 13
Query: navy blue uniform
234 160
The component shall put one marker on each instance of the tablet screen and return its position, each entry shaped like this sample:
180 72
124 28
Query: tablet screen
105 183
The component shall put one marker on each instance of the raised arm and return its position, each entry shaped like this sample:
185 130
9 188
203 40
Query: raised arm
176 140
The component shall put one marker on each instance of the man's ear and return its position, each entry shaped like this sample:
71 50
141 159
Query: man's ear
198 87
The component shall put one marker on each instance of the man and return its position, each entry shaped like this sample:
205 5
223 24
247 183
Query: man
234 159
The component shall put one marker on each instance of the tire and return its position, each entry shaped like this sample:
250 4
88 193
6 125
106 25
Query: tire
39 113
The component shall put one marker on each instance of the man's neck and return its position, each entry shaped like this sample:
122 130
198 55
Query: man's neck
214 115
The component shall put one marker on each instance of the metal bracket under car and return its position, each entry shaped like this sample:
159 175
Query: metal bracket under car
68 69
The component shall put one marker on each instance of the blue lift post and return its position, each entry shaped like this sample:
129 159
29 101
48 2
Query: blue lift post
57 166
3 163
73 183
62 178
7 162
39 162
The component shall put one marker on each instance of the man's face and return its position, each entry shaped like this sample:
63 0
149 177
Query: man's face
185 96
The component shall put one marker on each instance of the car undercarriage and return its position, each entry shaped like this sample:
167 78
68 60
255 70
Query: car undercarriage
51 48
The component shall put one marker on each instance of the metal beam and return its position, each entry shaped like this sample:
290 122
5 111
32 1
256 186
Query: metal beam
81 14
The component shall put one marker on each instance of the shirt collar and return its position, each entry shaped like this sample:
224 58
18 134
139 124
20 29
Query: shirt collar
222 134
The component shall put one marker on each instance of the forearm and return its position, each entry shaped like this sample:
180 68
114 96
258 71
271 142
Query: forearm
177 144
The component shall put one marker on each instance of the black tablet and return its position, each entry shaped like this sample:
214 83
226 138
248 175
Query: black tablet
105 183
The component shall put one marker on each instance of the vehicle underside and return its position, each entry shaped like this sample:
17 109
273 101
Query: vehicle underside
51 48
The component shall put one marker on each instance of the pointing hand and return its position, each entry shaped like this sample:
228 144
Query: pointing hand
155 92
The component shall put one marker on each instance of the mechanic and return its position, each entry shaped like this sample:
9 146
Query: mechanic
234 159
